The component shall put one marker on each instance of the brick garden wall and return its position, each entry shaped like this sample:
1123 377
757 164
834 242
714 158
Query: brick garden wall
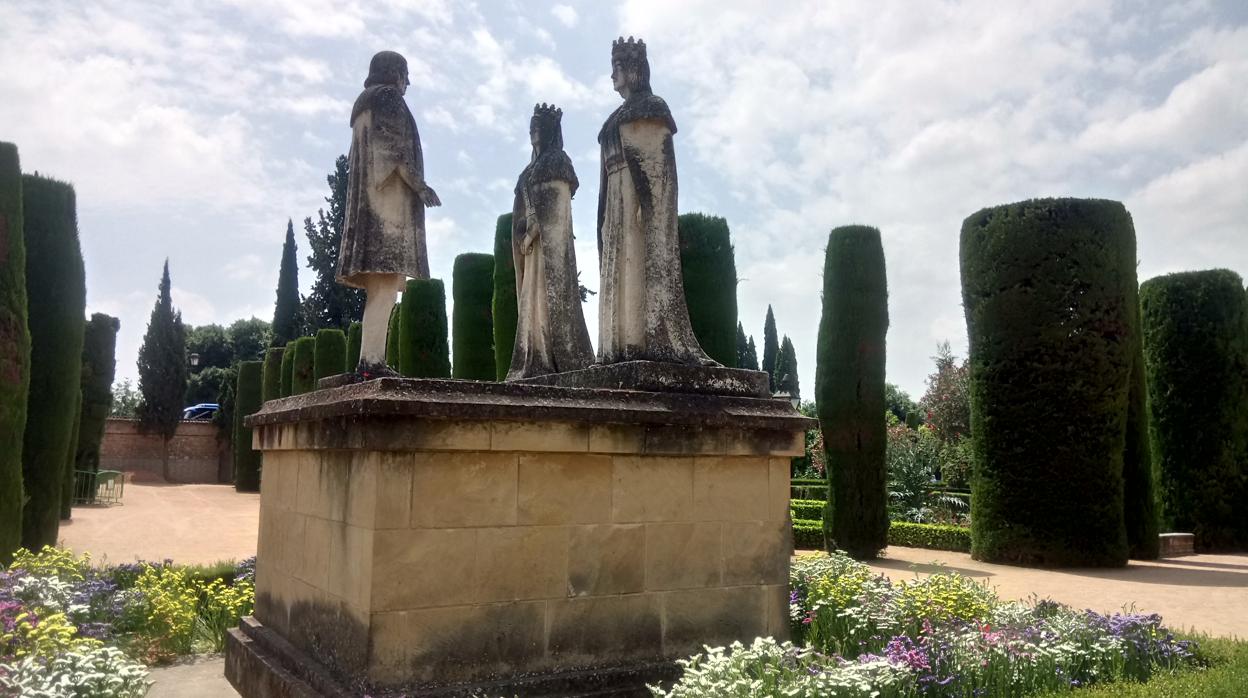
195 454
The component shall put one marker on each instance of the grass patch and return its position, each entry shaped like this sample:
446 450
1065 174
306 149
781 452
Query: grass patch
1224 674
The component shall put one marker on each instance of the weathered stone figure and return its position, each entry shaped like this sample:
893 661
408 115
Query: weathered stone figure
383 234
550 331
642 311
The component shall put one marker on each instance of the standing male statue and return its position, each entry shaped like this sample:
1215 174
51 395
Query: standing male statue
383 233
641 312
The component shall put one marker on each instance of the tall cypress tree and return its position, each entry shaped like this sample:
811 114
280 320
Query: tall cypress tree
423 349
743 347
286 312
67 479
330 304
99 367
162 369
505 310
56 300
786 369
709 270
751 356
771 348
14 351
849 390
472 287
271 374
247 402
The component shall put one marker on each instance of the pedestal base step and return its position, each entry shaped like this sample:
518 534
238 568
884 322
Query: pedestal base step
1177 544
261 664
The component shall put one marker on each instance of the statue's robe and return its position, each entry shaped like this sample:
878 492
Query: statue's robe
641 308
551 336
383 230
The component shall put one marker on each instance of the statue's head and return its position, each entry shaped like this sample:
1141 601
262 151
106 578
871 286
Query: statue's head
630 71
388 68
545 128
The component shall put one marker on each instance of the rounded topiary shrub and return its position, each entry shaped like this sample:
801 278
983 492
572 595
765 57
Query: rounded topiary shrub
473 291
1051 344
503 304
355 334
849 390
1195 337
14 351
709 269
247 401
423 349
271 380
303 365
330 353
286 387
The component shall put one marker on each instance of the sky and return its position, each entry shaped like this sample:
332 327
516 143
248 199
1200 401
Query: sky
193 131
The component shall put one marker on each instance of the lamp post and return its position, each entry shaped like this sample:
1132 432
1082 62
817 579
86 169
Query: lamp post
193 359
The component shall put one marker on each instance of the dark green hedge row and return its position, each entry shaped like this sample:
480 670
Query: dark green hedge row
329 354
423 348
1049 323
99 366
849 389
287 386
472 286
56 301
930 536
14 351
271 378
807 535
503 303
302 365
1196 357
709 270
392 338
807 509
247 401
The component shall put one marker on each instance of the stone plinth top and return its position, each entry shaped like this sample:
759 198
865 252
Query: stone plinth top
477 400
658 377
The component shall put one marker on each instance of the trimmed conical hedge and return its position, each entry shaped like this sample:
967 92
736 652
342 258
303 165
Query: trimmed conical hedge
303 365
771 347
1139 491
392 339
271 374
355 335
247 401
423 350
71 458
331 353
709 268
1196 358
56 300
849 390
504 306
1049 321
99 367
14 351
287 386
473 289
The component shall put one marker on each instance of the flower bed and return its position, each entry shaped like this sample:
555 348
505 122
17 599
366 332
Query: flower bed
70 629
857 634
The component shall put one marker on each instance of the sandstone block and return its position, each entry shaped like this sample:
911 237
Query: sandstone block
422 568
606 559
730 489
475 488
683 555
652 489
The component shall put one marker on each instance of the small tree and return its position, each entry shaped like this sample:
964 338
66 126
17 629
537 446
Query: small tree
14 351
709 270
249 339
947 402
743 347
473 289
330 304
330 353
751 356
162 370
423 350
504 306
849 390
246 403
899 403
271 374
771 347
786 369
211 343
287 323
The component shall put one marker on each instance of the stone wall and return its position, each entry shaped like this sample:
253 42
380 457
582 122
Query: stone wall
195 454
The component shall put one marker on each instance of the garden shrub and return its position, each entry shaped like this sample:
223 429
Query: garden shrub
709 270
303 365
930 536
1196 358
95 671
14 350
287 386
808 509
503 303
808 534
71 458
392 338
1139 491
247 401
329 353
56 301
355 333
271 374
99 366
423 349
472 286
849 389
1049 323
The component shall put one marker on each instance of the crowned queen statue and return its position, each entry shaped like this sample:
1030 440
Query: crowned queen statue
642 311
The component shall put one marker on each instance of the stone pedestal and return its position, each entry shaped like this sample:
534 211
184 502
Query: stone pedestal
436 537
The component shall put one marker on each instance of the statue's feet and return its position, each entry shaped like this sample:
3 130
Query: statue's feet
370 371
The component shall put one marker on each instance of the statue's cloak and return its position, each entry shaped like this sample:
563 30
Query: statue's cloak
383 229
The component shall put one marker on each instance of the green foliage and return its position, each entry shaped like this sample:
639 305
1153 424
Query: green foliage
205 385
472 286
747 356
212 344
423 350
504 301
71 454
125 400
330 304
1196 356
99 365
771 347
249 339
224 418
303 365
330 353
913 458
709 270
947 403
930 536
786 369
286 385
1050 361
56 300
271 378
1139 500
1224 676
808 534
392 338
898 403
14 350
849 389
162 365
287 315
807 509
355 335
247 401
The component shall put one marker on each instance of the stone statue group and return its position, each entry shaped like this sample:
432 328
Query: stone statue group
642 311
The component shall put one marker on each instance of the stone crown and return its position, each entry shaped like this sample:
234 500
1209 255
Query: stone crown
548 112
628 51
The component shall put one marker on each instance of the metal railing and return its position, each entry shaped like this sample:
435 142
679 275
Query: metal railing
99 486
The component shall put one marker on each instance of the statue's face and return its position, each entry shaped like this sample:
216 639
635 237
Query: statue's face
403 82
619 78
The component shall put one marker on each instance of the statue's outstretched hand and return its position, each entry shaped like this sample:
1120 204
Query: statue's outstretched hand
429 197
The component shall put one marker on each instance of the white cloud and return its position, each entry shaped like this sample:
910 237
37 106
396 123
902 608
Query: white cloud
566 14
